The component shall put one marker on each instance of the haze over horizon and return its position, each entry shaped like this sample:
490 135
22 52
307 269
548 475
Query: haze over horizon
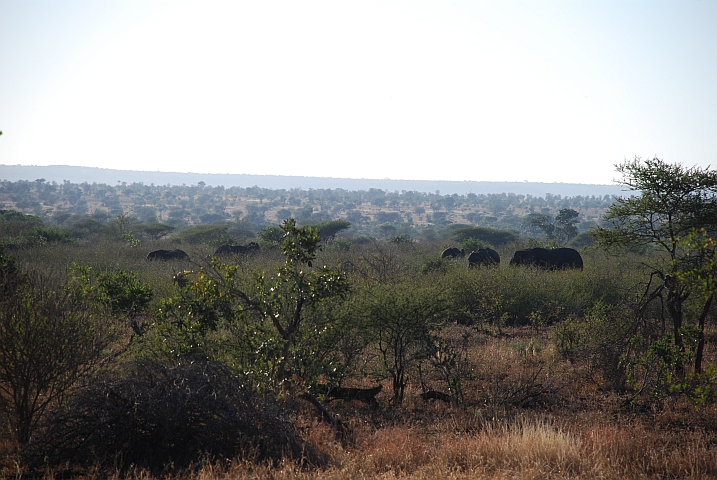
549 91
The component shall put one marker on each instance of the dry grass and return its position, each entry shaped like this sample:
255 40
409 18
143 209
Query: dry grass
578 431
526 448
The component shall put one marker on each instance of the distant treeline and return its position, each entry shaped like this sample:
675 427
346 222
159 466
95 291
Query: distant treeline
60 173
372 212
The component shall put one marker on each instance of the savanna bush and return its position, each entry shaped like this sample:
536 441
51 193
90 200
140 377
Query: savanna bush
518 295
50 339
160 416
603 339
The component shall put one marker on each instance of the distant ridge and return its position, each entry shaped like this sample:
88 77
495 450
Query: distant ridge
59 173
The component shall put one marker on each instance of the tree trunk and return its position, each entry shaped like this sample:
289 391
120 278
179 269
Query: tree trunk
674 306
701 340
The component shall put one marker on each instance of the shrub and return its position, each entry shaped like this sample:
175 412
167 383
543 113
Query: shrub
48 342
159 416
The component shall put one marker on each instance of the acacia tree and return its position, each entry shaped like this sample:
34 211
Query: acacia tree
703 276
401 319
672 202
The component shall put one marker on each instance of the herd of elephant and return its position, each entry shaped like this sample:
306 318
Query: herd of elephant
223 251
545 258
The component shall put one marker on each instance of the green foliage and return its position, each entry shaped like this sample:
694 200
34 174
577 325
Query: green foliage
214 235
120 229
401 318
203 303
489 235
49 340
605 338
701 267
330 228
582 240
118 293
434 265
472 244
40 236
559 230
296 284
271 237
154 231
507 296
14 223
265 314
674 202
341 245
401 239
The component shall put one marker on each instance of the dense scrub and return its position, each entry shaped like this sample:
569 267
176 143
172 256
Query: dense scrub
495 341
230 366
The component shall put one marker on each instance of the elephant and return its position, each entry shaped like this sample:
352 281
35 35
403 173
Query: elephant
237 249
453 252
485 257
549 259
167 255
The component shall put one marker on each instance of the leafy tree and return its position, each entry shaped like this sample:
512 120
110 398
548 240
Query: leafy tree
207 234
118 293
401 318
40 236
48 342
330 228
491 236
120 228
567 220
271 236
702 275
13 223
266 315
673 202
282 214
296 285
561 229
154 231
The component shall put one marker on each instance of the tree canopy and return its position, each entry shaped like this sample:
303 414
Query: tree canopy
673 203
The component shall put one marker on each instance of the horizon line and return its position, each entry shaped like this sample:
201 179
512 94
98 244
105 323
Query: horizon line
314 176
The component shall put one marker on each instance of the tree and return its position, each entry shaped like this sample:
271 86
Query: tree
561 229
119 294
48 341
271 236
401 319
297 284
673 202
567 220
154 231
329 228
267 314
703 277
489 235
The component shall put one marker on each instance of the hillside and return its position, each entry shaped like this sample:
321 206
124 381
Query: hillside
60 173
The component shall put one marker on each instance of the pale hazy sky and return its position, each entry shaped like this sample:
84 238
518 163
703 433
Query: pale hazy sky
544 91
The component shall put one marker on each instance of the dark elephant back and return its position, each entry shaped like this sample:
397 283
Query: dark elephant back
485 257
225 250
167 255
567 258
452 252
548 259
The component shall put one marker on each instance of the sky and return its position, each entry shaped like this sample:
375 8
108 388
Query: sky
539 91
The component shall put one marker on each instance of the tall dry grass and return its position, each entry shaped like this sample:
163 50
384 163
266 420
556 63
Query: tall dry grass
526 448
